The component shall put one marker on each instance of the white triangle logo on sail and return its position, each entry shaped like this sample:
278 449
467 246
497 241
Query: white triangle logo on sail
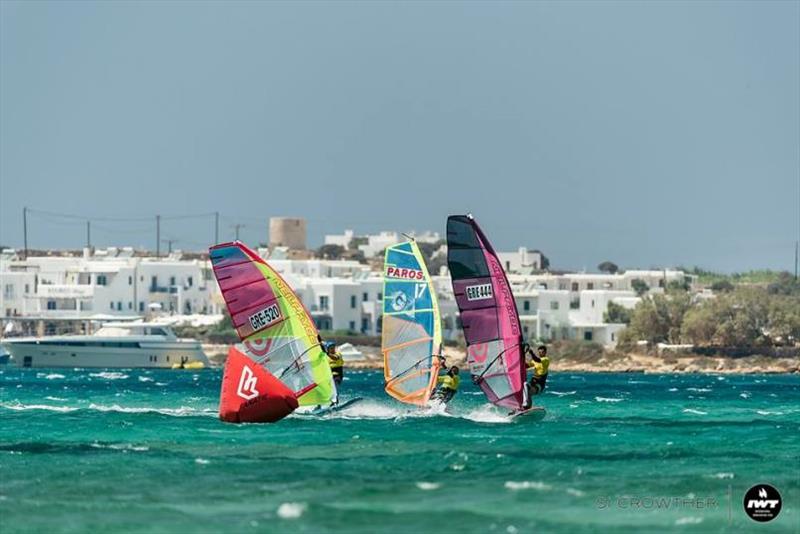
247 384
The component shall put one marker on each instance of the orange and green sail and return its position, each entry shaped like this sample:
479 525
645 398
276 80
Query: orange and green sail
412 335
276 330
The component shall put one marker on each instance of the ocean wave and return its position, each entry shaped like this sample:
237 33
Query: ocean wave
110 375
18 406
562 393
59 399
693 411
526 484
145 379
745 395
182 411
119 446
201 461
428 486
607 399
50 376
700 390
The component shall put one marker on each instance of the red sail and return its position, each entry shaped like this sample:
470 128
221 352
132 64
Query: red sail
251 394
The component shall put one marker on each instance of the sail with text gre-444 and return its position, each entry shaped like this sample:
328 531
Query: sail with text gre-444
488 313
281 365
411 338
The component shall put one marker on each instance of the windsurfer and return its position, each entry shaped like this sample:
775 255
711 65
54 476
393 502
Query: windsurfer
540 364
449 386
336 362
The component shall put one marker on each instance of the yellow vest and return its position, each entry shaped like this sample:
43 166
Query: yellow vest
540 369
336 361
450 382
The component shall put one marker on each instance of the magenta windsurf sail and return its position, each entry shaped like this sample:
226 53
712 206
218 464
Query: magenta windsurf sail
489 314
278 336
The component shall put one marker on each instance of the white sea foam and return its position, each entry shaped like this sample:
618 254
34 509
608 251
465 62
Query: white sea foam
562 393
607 399
54 376
59 399
576 492
486 414
428 486
689 521
109 375
767 412
699 390
291 510
120 446
721 475
176 412
201 461
525 485
696 412
744 395
145 379
21 407
672 389
457 467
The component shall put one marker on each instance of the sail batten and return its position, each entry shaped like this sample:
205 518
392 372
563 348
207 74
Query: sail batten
411 337
489 315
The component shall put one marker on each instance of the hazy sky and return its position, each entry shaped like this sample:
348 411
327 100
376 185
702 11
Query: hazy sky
644 133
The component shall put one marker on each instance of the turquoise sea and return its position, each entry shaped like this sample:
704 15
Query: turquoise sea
143 451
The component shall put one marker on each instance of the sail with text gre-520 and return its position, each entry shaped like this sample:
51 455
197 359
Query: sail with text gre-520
411 338
278 336
488 312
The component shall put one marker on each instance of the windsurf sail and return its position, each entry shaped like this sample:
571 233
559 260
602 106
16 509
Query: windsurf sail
411 339
277 332
489 314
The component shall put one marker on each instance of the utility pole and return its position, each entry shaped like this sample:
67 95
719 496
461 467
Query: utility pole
169 243
236 227
796 257
158 236
89 235
25 230
216 227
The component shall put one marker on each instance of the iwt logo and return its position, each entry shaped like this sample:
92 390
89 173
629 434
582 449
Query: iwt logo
762 502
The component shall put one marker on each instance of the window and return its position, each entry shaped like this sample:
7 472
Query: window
130 305
102 280
172 280
364 325
352 326
587 335
574 286
141 305
51 305
353 304
323 302
111 305
525 329
27 288
130 280
508 265
380 296
154 282
365 296
8 291
526 305
592 303
553 304
189 281
590 285
379 326
562 285
612 336
119 305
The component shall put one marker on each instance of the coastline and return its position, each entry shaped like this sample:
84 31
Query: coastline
608 363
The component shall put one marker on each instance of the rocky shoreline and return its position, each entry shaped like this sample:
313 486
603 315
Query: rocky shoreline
608 363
